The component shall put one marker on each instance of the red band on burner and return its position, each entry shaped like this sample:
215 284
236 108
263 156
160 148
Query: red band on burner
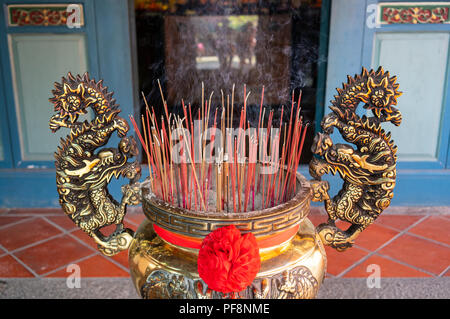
196 243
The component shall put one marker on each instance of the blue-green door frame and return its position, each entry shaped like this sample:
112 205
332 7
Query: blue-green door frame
109 32
350 48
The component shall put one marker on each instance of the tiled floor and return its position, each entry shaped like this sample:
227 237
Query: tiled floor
43 243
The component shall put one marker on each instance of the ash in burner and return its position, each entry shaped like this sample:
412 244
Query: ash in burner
256 201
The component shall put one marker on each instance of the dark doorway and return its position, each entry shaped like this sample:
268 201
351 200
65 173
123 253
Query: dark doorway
275 44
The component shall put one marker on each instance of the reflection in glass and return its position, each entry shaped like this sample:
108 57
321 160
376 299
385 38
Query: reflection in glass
225 50
225 42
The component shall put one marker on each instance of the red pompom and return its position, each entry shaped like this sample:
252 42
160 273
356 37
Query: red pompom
227 261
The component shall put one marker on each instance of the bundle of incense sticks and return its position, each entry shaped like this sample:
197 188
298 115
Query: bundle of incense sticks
239 169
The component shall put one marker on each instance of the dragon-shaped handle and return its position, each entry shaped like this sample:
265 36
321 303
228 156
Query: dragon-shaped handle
83 172
369 170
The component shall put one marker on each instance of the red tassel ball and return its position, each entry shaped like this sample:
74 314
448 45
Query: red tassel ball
227 261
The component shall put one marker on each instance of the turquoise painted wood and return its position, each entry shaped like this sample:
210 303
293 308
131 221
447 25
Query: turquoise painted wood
4 126
344 47
28 178
423 176
116 57
6 152
8 75
345 43
368 53
413 188
415 56
38 60
2 156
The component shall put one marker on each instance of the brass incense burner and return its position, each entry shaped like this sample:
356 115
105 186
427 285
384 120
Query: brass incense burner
163 251
163 259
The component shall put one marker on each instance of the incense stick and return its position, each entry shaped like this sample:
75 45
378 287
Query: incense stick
237 170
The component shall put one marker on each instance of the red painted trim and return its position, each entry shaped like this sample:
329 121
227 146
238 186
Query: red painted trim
195 243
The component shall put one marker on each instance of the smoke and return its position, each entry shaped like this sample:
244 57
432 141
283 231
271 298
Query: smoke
219 48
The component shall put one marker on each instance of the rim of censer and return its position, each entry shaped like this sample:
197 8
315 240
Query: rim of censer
262 222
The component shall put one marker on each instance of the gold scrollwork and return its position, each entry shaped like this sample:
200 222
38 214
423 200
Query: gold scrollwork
83 171
295 283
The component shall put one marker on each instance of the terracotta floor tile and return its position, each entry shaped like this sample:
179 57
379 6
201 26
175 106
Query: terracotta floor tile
388 269
337 262
419 252
63 221
105 230
53 254
399 222
95 266
19 235
434 227
6 220
108 230
126 224
135 218
317 219
85 238
121 258
10 268
374 236
342 224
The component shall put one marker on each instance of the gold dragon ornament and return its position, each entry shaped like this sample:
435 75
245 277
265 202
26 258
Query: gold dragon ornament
369 170
83 172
